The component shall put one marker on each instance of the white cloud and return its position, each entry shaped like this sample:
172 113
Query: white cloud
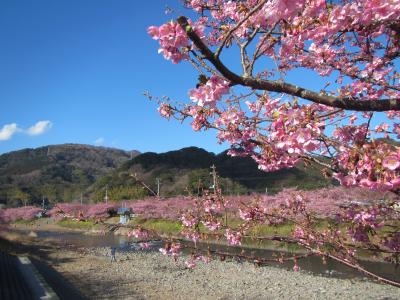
7 131
39 128
99 141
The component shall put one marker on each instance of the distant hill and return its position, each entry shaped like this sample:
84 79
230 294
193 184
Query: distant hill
55 172
188 170
64 172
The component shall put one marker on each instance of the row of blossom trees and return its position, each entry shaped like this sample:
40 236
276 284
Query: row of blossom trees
352 219
26 213
323 202
76 211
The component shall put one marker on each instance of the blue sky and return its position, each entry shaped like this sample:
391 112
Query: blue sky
83 65
74 71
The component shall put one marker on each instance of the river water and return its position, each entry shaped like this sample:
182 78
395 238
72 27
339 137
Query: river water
312 264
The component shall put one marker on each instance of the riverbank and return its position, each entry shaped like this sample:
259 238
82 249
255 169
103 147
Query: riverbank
150 275
50 224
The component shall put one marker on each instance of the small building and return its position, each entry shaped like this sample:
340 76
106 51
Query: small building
125 214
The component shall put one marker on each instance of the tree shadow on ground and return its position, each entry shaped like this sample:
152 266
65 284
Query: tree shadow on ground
40 255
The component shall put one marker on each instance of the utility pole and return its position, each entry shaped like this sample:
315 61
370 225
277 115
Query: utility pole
106 197
198 187
214 175
158 187
81 198
266 190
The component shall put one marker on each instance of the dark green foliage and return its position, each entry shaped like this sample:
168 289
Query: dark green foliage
56 173
120 186
186 158
188 171
62 172
122 192
201 179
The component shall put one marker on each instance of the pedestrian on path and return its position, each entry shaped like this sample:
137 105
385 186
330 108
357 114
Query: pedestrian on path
113 250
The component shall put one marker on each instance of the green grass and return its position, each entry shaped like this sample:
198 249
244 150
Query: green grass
24 222
112 220
76 224
173 228
268 230
161 226
164 226
169 227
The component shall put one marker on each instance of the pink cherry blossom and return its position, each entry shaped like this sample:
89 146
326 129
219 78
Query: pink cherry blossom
296 267
173 250
391 162
212 225
233 238
342 117
165 110
145 245
190 264
139 233
189 220
210 92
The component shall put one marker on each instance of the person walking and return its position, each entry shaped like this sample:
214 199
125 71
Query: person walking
113 250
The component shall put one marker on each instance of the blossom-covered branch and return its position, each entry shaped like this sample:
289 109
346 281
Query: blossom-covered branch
348 103
354 45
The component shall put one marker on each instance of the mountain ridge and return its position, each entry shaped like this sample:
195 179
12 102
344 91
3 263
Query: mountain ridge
67 172
61 171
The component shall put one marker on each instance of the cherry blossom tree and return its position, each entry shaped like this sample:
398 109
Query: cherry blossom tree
348 124
343 125
82 212
26 213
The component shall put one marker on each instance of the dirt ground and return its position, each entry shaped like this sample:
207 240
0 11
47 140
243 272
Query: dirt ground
83 273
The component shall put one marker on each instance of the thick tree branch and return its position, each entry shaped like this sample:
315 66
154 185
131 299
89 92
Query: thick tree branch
283 87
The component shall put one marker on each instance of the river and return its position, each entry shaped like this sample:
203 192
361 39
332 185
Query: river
312 264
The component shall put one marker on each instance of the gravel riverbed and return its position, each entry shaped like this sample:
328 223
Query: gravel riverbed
150 275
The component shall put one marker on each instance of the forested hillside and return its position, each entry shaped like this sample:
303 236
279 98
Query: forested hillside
56 172
188 171
66 172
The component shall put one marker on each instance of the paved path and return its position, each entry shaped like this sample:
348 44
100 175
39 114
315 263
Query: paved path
60 285
12 282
